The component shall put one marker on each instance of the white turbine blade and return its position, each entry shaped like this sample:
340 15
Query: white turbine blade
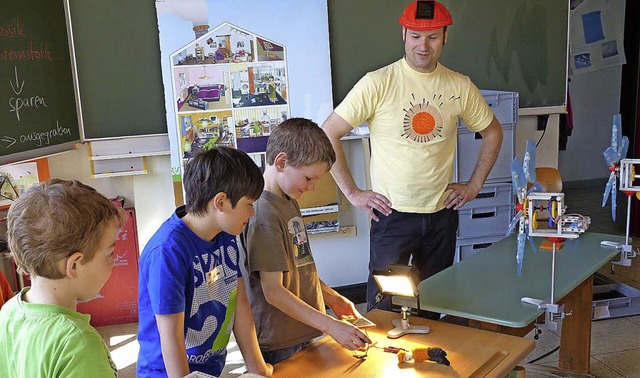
607 188
536 188
614 203
520 253
611 156
616 131
518 177
532 244
514 221
624 146
529 165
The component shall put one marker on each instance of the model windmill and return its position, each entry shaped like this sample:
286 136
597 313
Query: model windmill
523 172
559 227
623 168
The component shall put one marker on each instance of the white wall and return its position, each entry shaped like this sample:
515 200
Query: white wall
595 98
547 151
151 195
344 261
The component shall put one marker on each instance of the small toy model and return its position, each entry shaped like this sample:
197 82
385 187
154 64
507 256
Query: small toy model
522 173
624 169
559 227
612 156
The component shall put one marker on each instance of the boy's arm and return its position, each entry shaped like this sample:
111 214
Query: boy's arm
245 332
340 305
174 350
84 355
345 334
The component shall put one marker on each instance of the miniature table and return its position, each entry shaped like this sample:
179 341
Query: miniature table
472 353
485 288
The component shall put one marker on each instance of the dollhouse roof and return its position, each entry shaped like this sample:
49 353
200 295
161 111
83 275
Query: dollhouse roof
229 29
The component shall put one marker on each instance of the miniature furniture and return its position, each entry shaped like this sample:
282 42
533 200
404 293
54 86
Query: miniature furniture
206 92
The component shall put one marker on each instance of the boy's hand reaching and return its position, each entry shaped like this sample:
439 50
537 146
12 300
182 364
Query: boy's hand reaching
347 335
342 307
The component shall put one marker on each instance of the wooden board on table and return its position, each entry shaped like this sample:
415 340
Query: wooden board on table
472 353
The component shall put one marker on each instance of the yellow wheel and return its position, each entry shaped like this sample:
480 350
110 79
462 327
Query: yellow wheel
554 209
638 195
534 221
525 207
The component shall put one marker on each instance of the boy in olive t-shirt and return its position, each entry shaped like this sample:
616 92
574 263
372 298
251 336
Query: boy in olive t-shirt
287 297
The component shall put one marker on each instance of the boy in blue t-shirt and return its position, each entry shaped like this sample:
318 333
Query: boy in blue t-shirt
191 294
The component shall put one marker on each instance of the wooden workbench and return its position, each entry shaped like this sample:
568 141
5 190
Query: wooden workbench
472 353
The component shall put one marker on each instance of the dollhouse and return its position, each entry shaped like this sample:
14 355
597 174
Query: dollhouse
230 88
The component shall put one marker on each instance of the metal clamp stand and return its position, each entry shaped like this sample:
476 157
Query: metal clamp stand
554 313
626 251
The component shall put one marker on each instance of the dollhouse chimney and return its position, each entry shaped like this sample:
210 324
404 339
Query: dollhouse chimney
200 30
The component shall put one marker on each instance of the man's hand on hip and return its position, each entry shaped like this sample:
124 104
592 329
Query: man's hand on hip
460 195
368 200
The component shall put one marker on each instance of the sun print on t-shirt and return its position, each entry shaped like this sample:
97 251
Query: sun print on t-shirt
423 121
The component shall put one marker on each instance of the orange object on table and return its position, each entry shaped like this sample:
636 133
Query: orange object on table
547 245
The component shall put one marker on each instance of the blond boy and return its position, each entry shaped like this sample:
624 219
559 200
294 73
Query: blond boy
287 297
63 234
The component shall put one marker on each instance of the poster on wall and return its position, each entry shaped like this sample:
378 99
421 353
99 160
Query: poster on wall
233 70
596 35
16 179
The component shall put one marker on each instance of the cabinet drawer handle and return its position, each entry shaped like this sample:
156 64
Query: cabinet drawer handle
483 215
481 246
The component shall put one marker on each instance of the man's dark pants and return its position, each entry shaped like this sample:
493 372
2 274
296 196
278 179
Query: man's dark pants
429 240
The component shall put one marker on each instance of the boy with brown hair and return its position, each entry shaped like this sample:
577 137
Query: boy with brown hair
287 297
190 291
63 234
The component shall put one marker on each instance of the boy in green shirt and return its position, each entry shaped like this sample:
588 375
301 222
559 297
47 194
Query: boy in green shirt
63 234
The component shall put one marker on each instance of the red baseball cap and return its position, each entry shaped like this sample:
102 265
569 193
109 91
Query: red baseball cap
441 16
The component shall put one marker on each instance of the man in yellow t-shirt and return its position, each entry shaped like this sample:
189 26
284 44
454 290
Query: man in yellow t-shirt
412 107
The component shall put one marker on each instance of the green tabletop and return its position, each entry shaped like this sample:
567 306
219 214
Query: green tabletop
485 286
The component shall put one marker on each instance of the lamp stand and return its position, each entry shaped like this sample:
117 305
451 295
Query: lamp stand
626 250
402 326
554 313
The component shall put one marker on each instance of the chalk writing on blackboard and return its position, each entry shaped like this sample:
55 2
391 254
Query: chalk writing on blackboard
37 97
17 103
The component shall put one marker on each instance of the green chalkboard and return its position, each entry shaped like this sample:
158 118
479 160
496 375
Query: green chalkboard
38 114
119 77
511 45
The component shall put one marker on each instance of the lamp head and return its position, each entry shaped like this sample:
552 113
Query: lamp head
397 279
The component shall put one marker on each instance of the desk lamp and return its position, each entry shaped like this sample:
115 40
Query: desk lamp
397 279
